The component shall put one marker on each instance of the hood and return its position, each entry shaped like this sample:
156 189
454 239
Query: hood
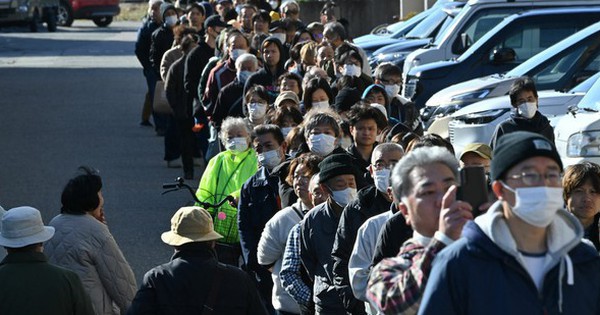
402 45
564 233
164 7
434 70
472 91
281 64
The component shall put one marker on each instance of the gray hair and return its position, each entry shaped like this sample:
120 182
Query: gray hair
287 3
386 147
244 58
419 157
317 118
232 123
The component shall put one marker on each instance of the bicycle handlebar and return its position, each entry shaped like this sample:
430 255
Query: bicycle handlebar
180 184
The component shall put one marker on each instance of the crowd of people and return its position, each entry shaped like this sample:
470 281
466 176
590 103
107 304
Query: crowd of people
339 203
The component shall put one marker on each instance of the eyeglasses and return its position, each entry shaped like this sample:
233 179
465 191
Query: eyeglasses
533 178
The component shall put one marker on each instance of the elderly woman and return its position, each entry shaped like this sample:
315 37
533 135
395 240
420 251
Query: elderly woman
224 176
83 244
581 191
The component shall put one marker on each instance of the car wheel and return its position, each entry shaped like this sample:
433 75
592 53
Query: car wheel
35 22
51 20
103 21
65 14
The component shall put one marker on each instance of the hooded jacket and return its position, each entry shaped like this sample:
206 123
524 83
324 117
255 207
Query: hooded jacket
484 273
162 40
538 124
265 77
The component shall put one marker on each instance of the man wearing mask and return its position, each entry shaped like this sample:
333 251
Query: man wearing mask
371 201
259 201
423 183
162 40
335 34
230 100
272 69
526 117
525 248
318 229
225 72
152 21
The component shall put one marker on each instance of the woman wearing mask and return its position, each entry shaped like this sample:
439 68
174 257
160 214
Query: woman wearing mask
257 105
224 176
286 117
230 101
82 243
317 94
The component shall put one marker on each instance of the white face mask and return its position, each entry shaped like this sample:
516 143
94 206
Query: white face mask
237 52
527 109
171 20
346 142
257 111
343 197
273 4
351 70
286 130
382 179
321 144
238 144
280 36
392 89
269 159
537 205
320 105
244 75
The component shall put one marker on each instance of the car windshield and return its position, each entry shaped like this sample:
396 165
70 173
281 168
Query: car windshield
429 25
586 85
400 29
591 100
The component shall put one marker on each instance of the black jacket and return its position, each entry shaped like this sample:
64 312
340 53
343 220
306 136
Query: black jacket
406 112
391 237
176 95
538 124
229 103
265 77
363 178
144 41
162 40
195 62
182 286
370 202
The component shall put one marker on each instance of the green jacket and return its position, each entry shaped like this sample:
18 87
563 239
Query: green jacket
30 285
225 175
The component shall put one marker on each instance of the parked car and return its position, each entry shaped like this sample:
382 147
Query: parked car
559 67
577 134
99 11
421 35
510 43
474 21
29 12
477 122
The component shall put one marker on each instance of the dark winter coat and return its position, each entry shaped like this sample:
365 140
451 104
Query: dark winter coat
176 95
538 124
144 41
393 234
265 77
229 103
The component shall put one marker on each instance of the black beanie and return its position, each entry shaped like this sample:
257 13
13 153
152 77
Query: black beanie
334 165
515 147
346 98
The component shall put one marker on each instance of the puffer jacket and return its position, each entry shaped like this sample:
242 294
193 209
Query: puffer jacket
84 245
483 272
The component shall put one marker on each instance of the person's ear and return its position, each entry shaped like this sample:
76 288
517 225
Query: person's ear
404 210
498 189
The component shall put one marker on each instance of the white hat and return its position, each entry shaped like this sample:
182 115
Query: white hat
23 226
190 224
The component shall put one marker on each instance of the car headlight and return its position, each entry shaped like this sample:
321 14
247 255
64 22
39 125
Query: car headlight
473 95
584 144
482 117
391 56
23 8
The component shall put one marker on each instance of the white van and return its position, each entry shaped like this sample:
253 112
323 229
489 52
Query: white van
474 20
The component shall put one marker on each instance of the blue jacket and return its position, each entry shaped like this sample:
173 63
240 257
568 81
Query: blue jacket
482 272
317 234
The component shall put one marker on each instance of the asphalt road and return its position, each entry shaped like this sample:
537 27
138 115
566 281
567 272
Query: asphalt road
74 98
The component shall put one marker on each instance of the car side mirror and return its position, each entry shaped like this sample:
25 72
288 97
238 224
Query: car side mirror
503 55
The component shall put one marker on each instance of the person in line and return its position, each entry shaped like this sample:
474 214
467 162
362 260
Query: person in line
28 283
423 183
194 282
526 117
224 176
272 68
581 184
274 235
259 201
82 243
525 248
318 229
335 34
196 15
371 200
151 22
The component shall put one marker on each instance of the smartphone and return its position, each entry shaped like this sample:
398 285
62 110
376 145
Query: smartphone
473 187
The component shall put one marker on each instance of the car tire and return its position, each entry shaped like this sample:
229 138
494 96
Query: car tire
65 14
35 22
103 21
51 20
